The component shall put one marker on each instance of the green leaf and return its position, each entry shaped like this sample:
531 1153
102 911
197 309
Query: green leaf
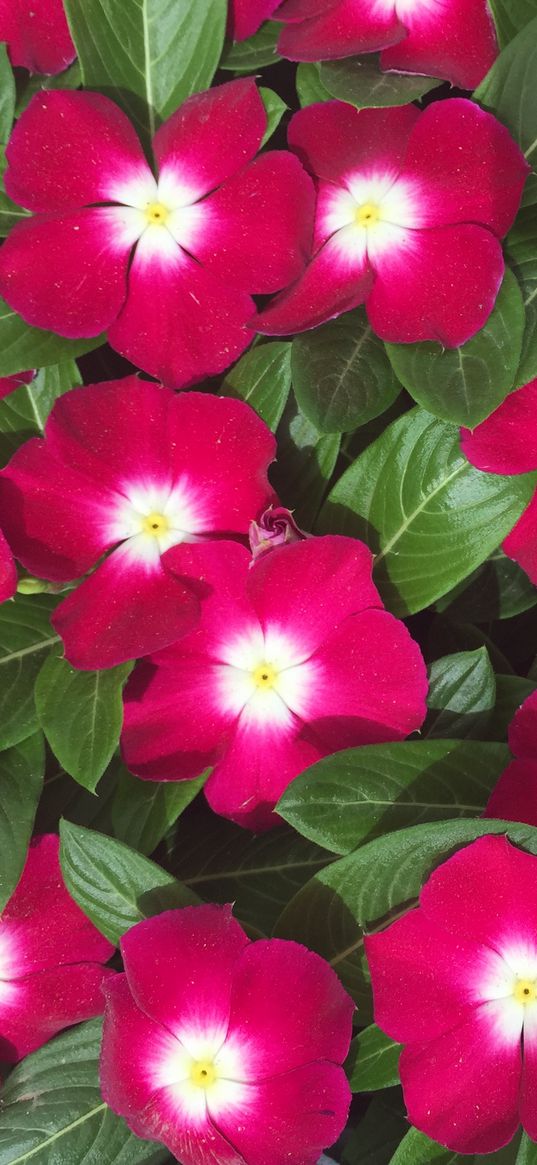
521 246
52 1112
143 811
511 16
81 713
465 385
151 54
21 781
462 695
253 54
274 109
341 376
25 636
427 514
28 84
373 1061
224 863
24 412
374 1139
7 95
115 886
417 1149
309 86
508 91
361 82
330 913
306 461
498 589
10 215
262 378
360 793
22 346
527 1153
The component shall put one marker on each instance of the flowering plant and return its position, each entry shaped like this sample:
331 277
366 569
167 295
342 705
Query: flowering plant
268 582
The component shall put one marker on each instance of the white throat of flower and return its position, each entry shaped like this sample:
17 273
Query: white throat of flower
508 988
150 519
160 216
264 678
371 213
203 1073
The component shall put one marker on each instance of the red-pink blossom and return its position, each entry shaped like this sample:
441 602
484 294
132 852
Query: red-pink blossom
451 39
293 659
276 527
246 16
514 797
507 443
130 467
455 981
51 957
37 35
411 207
10 384
8 572
224 1049
167 267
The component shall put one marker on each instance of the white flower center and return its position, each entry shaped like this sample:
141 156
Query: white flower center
150 518
264 678
371 213
507 988
202 1072
162 216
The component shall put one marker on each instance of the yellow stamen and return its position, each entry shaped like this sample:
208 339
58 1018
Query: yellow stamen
157 213
525 990
265 675
203 1073
367 215
156 524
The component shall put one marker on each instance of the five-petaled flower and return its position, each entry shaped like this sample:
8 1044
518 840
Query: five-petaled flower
51 957
37 35
411 207
293 658
166 265
224 1049
455 981
514 797
451 39
507 443
131 467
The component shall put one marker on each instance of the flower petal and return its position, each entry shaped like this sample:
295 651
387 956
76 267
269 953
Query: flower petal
342 29
371 685
210 137
179 323
136 1076
462 1089
521 543
336 280
514 797
282 1037
8 572
9 384
497 883
296 1115
37 35
454 40
41 924
261 224
335 140
34 1009
180 967
126 609
435 285
246 16
507 441
69 149
467 165
523 729
79 284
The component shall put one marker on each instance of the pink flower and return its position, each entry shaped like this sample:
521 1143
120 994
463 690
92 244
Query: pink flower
225 1050
455 981
276 527
514 797
51 957
293 659
451 39
37 34
130 467
411 207
8 573
10 384
167 266
246 16
507 443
